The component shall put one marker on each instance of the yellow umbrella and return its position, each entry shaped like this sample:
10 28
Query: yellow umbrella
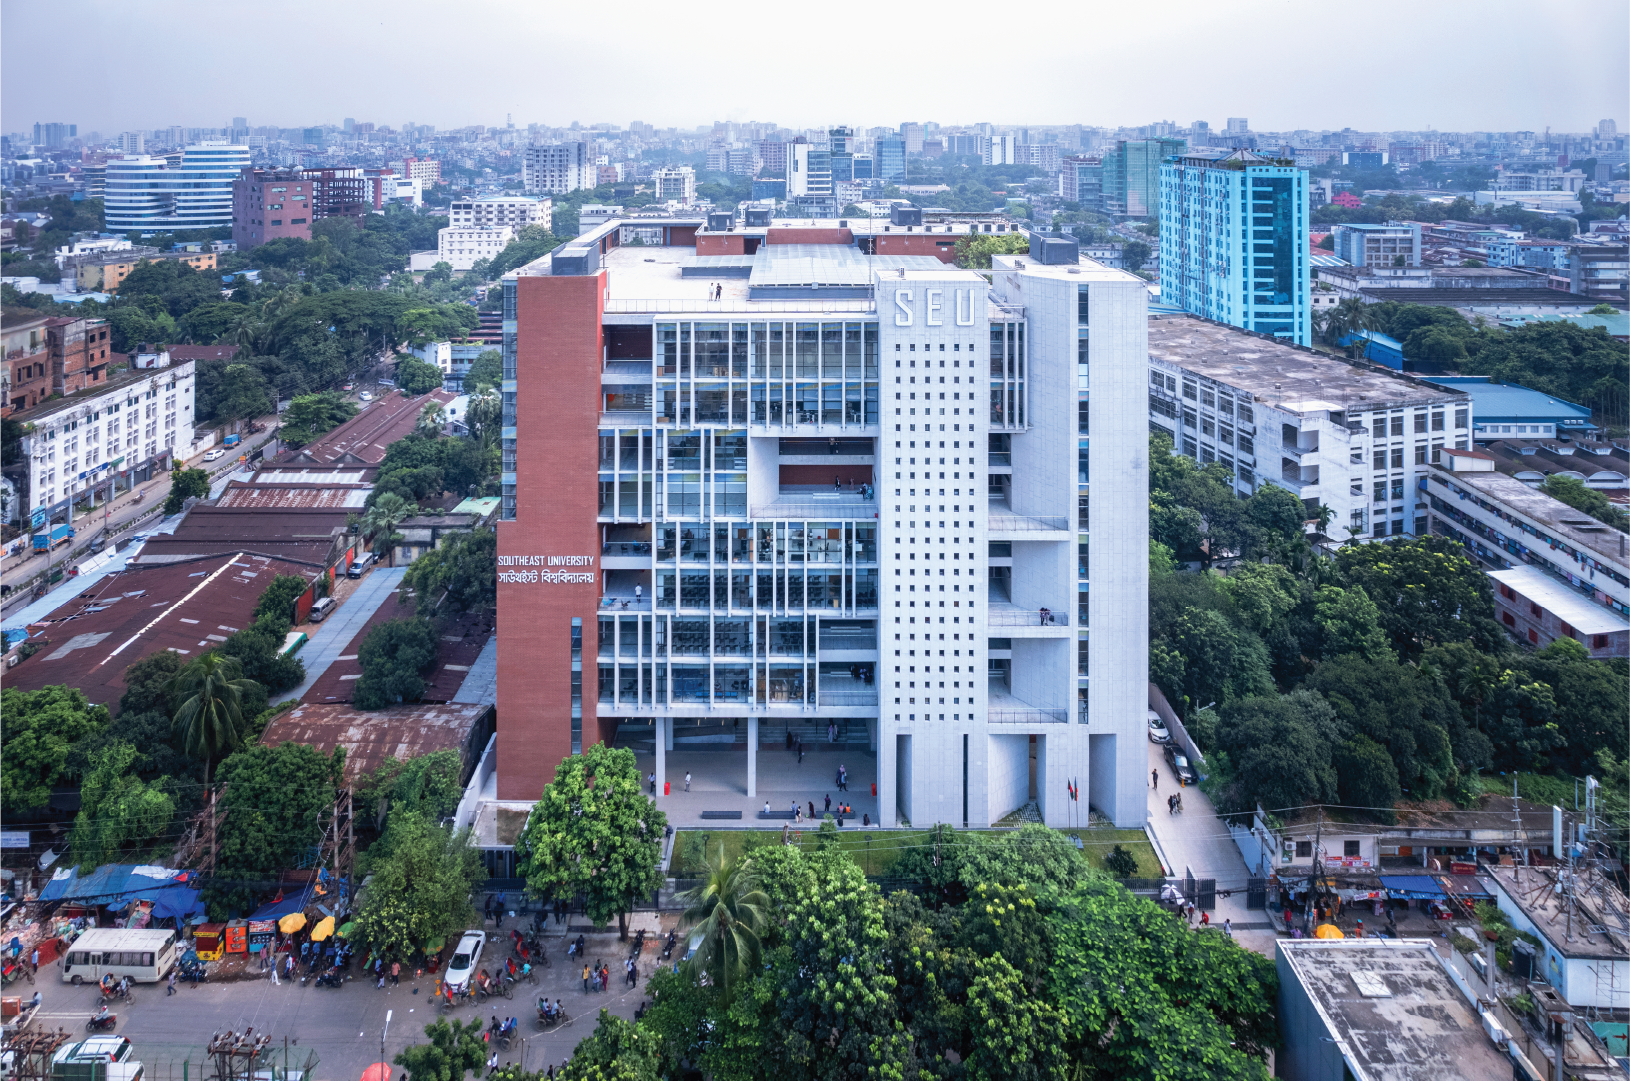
1328 931
324 929
292 923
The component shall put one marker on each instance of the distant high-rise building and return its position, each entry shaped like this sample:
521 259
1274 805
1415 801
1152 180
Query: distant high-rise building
313 136
1132 175
349 125
773 154
1001 150
841 140
891 160
132 142
912 133
558 168
1209 267
1238 125
809 170
193 192
54 134
1607 127
1081 180
240 122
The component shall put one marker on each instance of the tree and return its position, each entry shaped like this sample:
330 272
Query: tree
462 574
1591 703
487 370
1404 710
279 597
184 485
209 717
1426 591
1029 1040
484 417
117 809
593 831
37 729
726 912
1262 594
258 649
416 377
1134 254
310 415
392 657
1344 324
1278 747
272 804
617 1049
242 394
1350 621
432 419
1368 777
1121 863
428 784
420 879
455 1049
441 272
976 250
1222 662
381 520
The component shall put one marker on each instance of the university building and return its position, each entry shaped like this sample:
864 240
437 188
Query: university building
806 491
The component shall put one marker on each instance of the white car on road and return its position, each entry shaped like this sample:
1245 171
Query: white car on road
465 959
1158 733
211 456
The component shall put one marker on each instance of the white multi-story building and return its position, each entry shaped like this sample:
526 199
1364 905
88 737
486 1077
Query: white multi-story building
492 211
1354 438
845 499
675 184
462 247
558 168
127 429
149 193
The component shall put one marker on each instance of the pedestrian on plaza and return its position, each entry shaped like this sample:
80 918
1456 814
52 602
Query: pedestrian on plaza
169 987
396 974
1358 932
1154 780
486 909
585 977
34 962
766 808
828 801
812 810
1205 919
652 778
800 749
1228 927
288 965
687 781
274 969
789 738
605 977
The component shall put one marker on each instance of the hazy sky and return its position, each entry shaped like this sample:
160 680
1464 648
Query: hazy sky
113 65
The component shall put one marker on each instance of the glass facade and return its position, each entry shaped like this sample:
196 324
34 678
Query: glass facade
776 374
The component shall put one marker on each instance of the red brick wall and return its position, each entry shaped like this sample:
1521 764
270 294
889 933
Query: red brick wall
809 236
721 244
557 362
938 245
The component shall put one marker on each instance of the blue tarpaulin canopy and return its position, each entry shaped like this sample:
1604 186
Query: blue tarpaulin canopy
295 898
120 884
1412 886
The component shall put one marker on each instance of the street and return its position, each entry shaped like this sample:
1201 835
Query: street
343 1026
108 523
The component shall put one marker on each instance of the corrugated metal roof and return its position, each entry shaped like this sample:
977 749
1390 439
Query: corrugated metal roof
362 440
254 494
187 606
372 736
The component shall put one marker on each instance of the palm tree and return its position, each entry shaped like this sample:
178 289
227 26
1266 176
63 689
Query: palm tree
210 718
1346 320
726 914
432 418
380 521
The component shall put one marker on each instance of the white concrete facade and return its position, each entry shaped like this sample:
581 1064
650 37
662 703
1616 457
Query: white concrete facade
461 247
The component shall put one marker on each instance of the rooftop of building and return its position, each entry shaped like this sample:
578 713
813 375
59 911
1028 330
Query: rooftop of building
262 495
305 536
370 737
1474 299
116 381
1394 1008
188 606
1278 373
201 353
1509 402
362 440
18 317
1586 929
1560 520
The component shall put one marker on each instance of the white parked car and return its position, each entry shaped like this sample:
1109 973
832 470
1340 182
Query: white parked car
1158 733
211 456
366 397
465 959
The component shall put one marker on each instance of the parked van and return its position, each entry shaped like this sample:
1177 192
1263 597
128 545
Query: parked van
144 954
321 609
97 1058
360 564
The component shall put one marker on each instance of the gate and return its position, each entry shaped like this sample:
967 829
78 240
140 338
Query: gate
1256 893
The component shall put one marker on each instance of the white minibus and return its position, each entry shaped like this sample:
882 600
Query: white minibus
144 955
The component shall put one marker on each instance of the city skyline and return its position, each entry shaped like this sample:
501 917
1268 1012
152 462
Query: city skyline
1583 82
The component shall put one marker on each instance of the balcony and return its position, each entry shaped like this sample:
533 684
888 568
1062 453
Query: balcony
1001 461
1003 520
625 603
1005 615
818 502
1003 709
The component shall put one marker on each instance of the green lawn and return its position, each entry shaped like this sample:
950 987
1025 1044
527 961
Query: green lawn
875 850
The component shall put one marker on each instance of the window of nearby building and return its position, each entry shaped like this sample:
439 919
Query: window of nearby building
1304 849
1349 848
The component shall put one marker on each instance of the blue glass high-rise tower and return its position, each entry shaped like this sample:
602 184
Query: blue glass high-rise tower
1233 242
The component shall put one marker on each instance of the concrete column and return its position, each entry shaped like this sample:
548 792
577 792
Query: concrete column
752 757
668 733
662 740
886 796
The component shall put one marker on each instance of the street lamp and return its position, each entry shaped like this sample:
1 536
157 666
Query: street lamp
382 1033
